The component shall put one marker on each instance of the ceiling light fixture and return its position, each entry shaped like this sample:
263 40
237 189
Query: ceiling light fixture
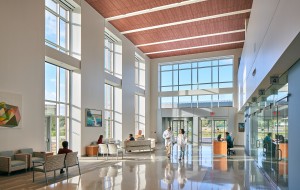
154 9
195 47
190 38
187 21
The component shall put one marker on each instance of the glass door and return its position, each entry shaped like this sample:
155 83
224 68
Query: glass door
206 131
176 125
260 137
220 128
189 131
282 144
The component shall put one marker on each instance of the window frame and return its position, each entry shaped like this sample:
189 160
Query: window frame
67 21
175 68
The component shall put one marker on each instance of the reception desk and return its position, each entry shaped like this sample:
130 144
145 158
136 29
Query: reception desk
92 150
220 147
284 149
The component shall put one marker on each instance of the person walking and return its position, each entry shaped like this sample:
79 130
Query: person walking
168 136
181 143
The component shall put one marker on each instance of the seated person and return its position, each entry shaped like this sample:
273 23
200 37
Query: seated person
100 140
268 145
64 150
229 142
219 138
131 138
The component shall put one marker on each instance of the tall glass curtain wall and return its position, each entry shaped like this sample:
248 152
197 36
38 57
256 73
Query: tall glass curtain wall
57 104
208 74
269 136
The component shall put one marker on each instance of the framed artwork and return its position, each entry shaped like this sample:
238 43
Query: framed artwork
241 127
10 110
93 118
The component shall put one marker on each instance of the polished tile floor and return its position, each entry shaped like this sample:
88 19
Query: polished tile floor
199 170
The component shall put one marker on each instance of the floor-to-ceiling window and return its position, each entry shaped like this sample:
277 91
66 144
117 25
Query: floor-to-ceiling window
140 72
215 73
112 56
57 102
109 110
140 114
57 25
206 84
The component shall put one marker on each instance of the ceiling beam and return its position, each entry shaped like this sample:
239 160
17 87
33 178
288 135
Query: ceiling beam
195 47
191 38
187 21
154 9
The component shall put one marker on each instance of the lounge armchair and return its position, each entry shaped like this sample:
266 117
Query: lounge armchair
32 156
113 149
70 161
103 150
10 162
52 163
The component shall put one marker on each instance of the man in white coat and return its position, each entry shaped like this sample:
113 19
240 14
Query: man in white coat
168 136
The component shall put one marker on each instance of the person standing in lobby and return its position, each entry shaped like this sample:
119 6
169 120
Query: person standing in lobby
168 136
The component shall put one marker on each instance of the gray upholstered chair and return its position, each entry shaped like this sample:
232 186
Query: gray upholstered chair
32 156
70 161
51 163
9 161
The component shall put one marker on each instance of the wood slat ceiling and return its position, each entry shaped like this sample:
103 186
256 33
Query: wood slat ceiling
198 10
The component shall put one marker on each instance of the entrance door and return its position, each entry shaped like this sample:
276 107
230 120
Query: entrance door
210 129
176 126
205 131
220 128
183 124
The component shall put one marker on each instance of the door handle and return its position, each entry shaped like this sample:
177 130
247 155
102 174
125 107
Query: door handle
279 151
257 143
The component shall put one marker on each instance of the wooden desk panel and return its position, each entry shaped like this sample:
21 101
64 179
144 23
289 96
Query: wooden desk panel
284 148
220 147
91 150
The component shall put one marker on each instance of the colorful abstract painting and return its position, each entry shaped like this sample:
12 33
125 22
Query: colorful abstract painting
9 115
93 118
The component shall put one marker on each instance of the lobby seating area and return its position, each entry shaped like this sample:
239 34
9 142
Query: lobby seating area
10 161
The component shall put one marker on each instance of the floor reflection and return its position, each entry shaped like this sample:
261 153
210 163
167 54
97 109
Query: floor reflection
199 170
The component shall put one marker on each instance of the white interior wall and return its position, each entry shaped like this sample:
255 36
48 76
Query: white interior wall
93 76
75 127
266 41
92 71
22 56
